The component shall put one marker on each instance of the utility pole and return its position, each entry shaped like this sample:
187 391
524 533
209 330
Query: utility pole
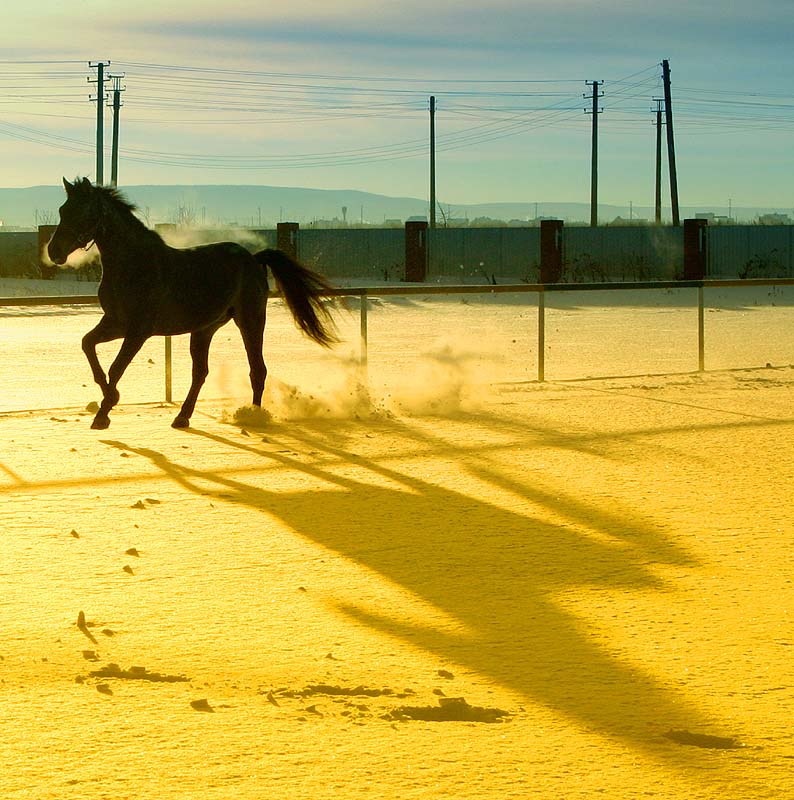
594 155
658 162
432 162
114 152
668 110
100 110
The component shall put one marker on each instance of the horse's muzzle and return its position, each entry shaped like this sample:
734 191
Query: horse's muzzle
56 254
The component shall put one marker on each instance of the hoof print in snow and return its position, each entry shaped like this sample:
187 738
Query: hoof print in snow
136 674
128 569
202 705
449 709
703 740
103 688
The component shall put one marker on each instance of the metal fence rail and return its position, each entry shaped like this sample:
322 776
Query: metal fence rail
540 289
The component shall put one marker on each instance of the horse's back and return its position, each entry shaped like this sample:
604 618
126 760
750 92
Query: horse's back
204 285
220 265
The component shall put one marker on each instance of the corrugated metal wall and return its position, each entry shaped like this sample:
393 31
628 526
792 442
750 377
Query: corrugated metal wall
630 253
19 253
366 253
484 253
751 251
473 255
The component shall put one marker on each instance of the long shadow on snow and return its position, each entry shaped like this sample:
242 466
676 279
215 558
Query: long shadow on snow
494 570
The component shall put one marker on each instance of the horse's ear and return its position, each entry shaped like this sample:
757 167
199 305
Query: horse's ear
86 184
68 186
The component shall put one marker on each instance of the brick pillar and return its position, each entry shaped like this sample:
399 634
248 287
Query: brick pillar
45 234
165 229
415 251
550 250
695 249
287 238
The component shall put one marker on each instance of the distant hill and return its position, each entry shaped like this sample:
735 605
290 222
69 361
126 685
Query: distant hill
255 206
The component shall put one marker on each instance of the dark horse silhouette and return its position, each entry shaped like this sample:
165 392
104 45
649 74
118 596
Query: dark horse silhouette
151 289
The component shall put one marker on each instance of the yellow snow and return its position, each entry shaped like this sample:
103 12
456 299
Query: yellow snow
608 561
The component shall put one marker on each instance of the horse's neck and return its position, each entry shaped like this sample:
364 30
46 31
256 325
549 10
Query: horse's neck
125 246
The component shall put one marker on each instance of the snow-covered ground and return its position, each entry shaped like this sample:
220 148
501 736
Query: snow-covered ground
416 343
603 566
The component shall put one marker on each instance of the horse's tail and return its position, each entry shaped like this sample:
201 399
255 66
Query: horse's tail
303 290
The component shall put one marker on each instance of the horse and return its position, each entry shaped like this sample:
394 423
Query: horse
151 289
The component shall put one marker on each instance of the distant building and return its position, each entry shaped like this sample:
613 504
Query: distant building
774 219
487 222
633 221
714 219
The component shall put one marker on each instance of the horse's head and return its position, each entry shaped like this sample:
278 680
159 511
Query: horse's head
80 220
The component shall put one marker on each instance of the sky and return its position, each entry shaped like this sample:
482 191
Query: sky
336 96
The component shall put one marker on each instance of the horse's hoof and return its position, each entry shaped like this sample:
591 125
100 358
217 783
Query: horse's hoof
181 422
100 423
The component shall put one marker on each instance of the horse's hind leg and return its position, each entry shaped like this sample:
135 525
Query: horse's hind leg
252 329
199 352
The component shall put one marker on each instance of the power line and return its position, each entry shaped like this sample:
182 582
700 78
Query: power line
477 112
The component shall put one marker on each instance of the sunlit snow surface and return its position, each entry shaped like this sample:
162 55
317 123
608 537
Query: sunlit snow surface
279 604
416 344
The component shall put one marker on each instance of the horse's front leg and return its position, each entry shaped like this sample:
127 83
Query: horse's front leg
129 349
105 331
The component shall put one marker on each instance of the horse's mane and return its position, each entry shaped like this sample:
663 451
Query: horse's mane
112 197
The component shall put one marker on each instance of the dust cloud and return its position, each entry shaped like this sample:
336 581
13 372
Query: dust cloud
194 237
441 382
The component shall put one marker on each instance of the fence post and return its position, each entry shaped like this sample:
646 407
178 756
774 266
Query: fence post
168 394
701 333
541 336
551 250
695 249
363 353
415 251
